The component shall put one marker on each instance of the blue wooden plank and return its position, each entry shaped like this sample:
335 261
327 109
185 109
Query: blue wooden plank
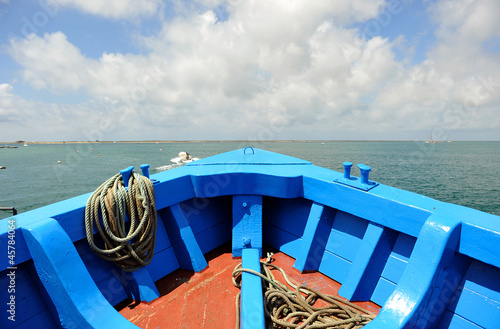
252 304
453 321
163 263
247 183
483 279
77 299
27 300
334 266
370 261
204 213
404 246
113 289
187 249
247 223
394 269
478 309
162 241
314 239
163 191
282 240
382 291
481 240
288 214
42 320
215 236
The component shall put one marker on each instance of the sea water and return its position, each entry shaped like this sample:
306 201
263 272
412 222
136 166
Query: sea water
464 173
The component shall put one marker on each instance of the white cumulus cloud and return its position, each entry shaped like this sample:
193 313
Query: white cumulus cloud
276 69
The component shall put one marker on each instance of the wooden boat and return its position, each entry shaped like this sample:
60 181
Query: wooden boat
414 261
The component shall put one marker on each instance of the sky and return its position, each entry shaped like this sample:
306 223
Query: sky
77 70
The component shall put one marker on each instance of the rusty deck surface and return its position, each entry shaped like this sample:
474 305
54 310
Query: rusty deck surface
207 299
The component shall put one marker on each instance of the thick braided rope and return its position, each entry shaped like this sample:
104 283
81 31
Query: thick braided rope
129 244
287 308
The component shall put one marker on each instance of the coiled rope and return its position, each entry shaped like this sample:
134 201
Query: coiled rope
129 244
288 308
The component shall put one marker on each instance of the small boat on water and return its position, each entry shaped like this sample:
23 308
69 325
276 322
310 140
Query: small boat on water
403 259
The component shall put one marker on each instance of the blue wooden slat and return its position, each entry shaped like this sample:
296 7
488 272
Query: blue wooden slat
453 321
483 279
28 301
214 236
203 214
252 305
163 263
247 183
247 223
404 246
382 291
479 300
480 240
394 269
42 320
112 288
282 240
367 266
334 266
478 309
78 301
315 237
187 249
288 214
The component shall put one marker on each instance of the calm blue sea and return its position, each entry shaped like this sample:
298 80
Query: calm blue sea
465 173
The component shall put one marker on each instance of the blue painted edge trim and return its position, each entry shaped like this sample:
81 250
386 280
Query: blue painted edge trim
252 304
76 298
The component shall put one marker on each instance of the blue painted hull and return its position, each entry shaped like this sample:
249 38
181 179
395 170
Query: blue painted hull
429 264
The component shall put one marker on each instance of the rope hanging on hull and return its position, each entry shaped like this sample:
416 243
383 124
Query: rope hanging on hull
129 244
287 308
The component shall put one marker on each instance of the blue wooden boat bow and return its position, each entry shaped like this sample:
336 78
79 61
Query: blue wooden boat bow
429 264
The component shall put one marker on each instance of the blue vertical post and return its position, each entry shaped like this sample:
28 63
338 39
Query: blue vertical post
316 233
186 247
367 266
247 243
247 223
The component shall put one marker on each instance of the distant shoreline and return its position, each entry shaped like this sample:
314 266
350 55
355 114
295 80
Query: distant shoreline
204 141
212 141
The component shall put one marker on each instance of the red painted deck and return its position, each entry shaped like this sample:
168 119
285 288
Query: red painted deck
207 299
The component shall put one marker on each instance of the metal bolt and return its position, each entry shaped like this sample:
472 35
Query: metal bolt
244 204
246 242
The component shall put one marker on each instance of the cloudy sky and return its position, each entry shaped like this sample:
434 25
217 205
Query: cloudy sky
249 69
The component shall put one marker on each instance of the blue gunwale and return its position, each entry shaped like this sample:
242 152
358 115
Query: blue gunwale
437 226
